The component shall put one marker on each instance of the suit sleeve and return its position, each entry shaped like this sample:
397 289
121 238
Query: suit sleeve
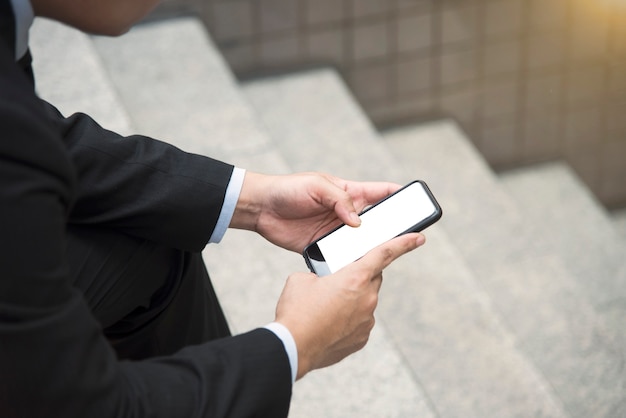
53 357
142 186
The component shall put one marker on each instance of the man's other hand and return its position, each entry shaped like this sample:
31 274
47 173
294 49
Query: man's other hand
293 210
331 317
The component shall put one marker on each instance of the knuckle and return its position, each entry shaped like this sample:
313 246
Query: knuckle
362 342
387 255
372 302
371 323
366 329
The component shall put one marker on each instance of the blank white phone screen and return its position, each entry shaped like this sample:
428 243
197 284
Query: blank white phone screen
378 225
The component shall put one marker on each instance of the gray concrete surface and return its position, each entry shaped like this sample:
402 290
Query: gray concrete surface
551 316
69 75
177 88
619 221
440 318
578 228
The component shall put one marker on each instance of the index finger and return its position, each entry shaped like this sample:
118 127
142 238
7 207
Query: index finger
377 259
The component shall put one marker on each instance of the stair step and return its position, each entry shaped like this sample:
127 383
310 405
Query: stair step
619 221
577 227
62 57
318 133
181 89
431 305
550 313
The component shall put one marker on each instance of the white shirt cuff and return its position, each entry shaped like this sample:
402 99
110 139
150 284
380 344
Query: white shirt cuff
230 203
285 336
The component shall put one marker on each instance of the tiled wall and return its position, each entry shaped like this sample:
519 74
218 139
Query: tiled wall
529 80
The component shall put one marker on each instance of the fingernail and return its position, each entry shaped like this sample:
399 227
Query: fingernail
355 218
421 239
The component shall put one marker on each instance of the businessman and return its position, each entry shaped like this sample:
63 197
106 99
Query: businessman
106 308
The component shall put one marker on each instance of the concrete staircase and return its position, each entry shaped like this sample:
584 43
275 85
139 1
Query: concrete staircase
515 306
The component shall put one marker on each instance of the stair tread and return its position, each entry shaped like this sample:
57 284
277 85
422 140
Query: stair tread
458 328
181 90
64 84
575 225
619 220
276 100
552 317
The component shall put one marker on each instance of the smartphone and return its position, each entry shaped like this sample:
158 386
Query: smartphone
410 209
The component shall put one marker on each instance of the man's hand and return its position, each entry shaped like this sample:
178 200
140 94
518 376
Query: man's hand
292 211
331 317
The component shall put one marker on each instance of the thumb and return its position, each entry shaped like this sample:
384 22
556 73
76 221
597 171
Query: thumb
339 200
346 212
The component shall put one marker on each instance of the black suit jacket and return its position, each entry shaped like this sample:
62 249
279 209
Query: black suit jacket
54 360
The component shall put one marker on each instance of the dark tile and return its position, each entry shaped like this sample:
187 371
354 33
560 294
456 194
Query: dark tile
371 40
413 6
502 17
541 136
588 40
370 83
545 50
613 187
586 162
326 45
498 142
277 15
543 90
499 97
461 104
458 67
233 19
276 51
414 33
618 36
585 84
368 8
458 26
547 15
582 126
413 75
617 79
324 11
616 117
501 58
